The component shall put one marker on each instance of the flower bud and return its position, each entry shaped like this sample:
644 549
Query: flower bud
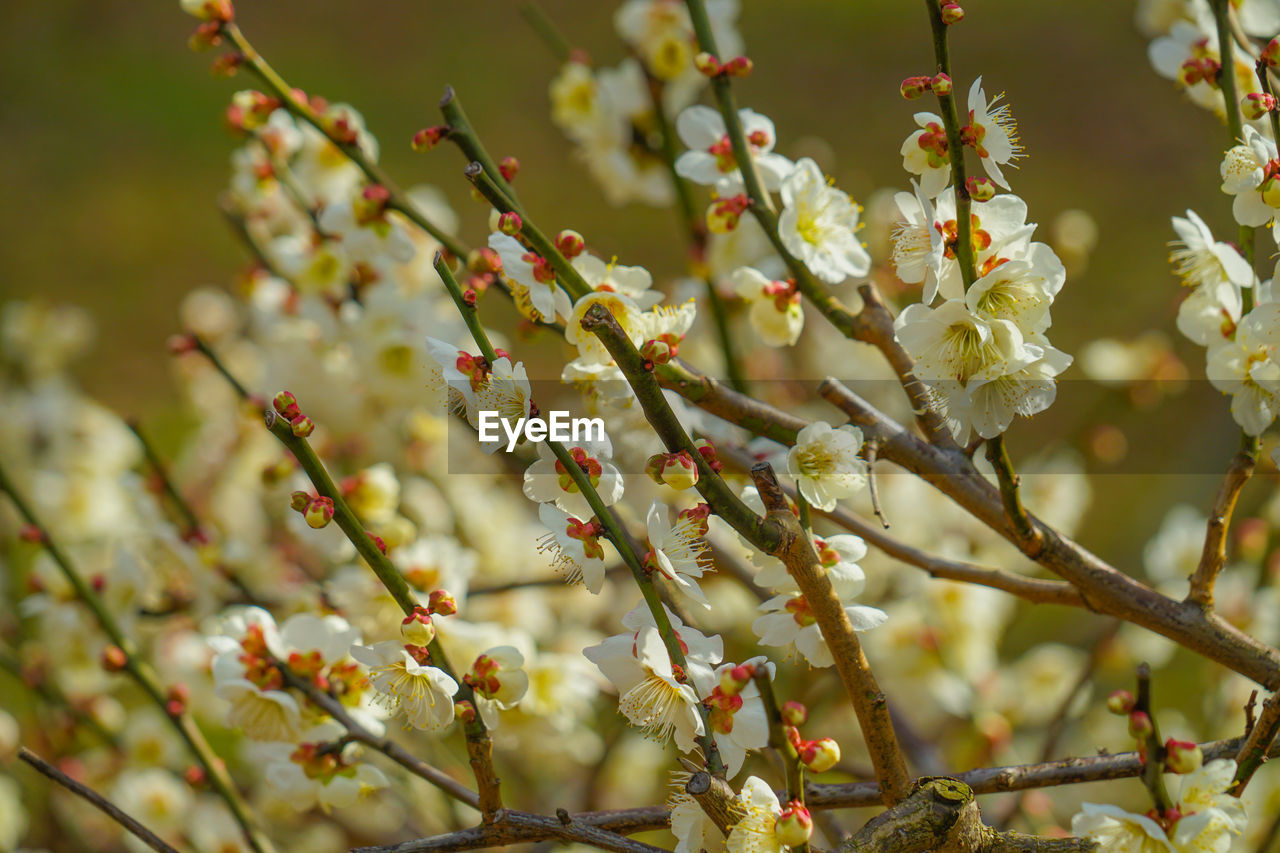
794 713
180 344
733 679
464 711
302 426
1257 104
980 189
1271 53
510 223
739 66
657 352
287 405
318 513
913 88
176 700
952 13
1120 702
941 84
31 533
723 213
570 243
676 470
1271 191
114 659
195 776
209 10
707 64
417 629
509 167
429 137
1140 724
707 451
299 501
794 824
442 603
378 542
1182 756
820 755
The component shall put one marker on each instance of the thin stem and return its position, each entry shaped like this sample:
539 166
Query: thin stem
462 134
547 30
467 309
998 456
145 677
191 524
723 501
1227 69
792 768
204 349
955 147
568 277
98 801
1213 556
1153 772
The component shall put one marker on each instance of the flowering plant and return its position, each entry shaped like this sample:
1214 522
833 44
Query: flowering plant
343 614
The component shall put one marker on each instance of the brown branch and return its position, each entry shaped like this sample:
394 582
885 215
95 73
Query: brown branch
942 815
1035 590
514 827
1214 555
1104 588
715 797
386 746
1257 745
796 552
988 780
96 800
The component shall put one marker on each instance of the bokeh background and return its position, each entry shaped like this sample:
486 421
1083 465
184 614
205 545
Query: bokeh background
114 153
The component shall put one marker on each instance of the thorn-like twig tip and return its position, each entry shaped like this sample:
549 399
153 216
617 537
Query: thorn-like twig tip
447 96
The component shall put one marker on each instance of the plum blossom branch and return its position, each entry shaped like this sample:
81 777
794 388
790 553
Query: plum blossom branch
1104 588
130 662
998 456
1214 554
479 744
520 827
608 521
988 780
288 98
99 802
795 550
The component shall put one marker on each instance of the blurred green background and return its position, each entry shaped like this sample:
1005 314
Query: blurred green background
115 153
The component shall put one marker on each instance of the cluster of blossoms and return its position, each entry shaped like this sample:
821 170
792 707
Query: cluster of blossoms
412 587
983 351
